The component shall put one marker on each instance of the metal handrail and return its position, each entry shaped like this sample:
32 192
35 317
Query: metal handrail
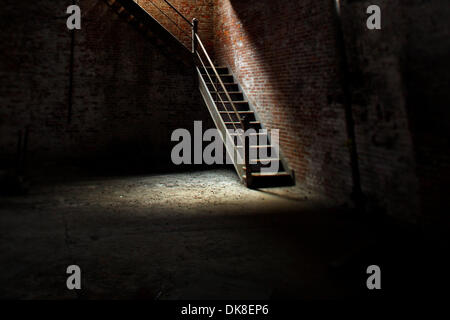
212 82
223 103
220 80
244 122
196 40
215 89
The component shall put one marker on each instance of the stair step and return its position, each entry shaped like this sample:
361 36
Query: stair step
257 147
242 101
232 112
224 74
230 86
224 77
234 96
221 68
237 122
271 180
268 174
218 84
252 161
230 92
209 82
252 134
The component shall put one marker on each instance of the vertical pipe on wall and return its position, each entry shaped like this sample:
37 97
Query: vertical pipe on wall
194 35
357 194
71 63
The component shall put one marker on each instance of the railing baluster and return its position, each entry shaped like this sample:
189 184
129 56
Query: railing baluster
194 35
248 171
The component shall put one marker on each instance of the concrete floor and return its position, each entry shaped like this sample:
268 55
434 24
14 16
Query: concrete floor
197 235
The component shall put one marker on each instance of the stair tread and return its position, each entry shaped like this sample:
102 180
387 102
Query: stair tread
252 133
223 74
259 146
225 83
237 122
237 101
268 174
265 159
245 111
233 92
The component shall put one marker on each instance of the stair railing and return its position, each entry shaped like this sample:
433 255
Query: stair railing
245 123
196 45
219 80
196 42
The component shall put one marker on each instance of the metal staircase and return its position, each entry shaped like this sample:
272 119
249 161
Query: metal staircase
253 150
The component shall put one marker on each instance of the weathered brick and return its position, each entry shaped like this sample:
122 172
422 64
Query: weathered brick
283 53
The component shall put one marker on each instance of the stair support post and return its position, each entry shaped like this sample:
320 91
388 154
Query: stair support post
248 172
194 35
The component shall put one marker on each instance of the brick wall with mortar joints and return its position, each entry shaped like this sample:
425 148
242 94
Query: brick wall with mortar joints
283 53
200 9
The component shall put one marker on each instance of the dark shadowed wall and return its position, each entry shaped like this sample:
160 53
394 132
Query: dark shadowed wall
400 82
127 95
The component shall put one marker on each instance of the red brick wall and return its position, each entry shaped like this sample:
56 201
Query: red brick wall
283 53
200 9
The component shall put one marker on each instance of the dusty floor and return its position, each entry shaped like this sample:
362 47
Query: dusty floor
199 235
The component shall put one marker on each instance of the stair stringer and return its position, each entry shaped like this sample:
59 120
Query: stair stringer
238 161
283 159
